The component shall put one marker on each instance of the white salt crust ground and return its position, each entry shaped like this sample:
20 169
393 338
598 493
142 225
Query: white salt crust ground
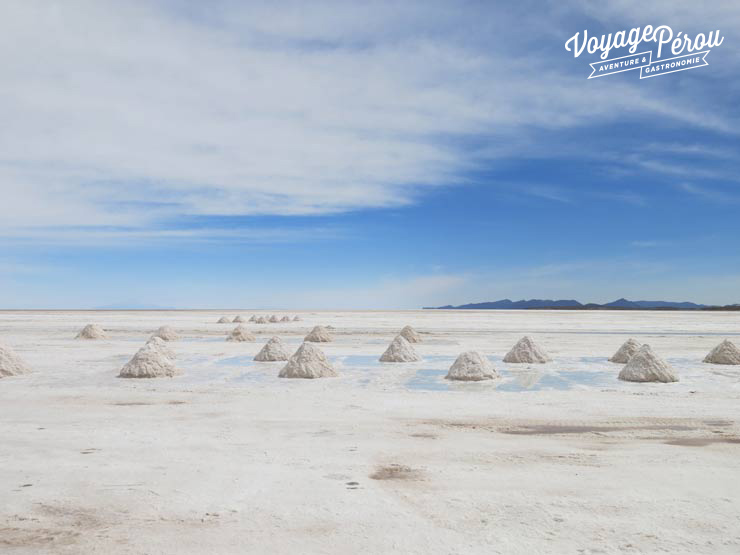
228 458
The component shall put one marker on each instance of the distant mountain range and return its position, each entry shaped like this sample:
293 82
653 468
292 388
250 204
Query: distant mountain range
572 304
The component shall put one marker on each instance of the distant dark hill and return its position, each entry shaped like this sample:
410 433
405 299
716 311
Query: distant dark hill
622 303
667 304
619 304
507 304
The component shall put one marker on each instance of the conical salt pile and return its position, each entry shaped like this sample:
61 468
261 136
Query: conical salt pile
472 366
273 350
240 334
224 320
92 331
410 335
238 320
153 360
253 318
285 319
724 353
261 320
297 318
319 335
161 345
166 333
646 366
527 351
626 351
274 319
11 364
400 350
308 362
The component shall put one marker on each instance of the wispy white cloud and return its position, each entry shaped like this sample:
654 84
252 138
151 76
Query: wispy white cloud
629 197
145 236
649 244
711 194
127 114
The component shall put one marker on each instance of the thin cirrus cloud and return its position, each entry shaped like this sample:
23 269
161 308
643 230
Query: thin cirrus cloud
124 115
710 194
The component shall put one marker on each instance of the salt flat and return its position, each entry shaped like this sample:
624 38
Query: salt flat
227 458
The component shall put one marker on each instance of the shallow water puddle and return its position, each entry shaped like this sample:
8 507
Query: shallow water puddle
528 379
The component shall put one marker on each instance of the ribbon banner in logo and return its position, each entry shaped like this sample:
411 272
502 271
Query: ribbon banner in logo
618 65
648 68
672 65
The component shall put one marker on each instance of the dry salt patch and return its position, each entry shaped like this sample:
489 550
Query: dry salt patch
274 319
646 366
261 320
400 350
240 334
273 350
297 319
473 367
11 364
166 333
308 362
724 353
224 320
285 319
92 331
626 351
253 318
153 360
527 351
410 335
238 320
319 334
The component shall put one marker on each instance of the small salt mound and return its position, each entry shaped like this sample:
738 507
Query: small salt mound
273 350
297 318
161 345
253 318
626 351
285 319
646 366
410 335
400 350
319 334
92 331
238 320
274 319
308 362
526 351
153 360
240 334
472 366
11 364
224 320
261 320
166 333
724 353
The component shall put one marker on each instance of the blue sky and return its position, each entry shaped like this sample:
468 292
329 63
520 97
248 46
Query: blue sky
242 154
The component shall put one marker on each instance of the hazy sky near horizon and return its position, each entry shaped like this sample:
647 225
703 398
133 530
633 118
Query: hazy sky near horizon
360 155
